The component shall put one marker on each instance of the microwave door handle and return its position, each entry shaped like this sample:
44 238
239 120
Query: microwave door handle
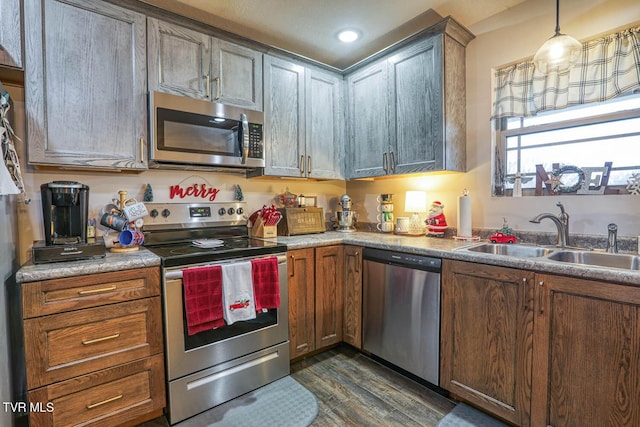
244 138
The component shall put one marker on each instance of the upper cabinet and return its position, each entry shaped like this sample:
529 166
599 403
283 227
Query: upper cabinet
85 84
11 34
407 108
194 64
304 121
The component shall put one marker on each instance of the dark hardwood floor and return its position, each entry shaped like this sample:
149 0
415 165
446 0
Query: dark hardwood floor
354 390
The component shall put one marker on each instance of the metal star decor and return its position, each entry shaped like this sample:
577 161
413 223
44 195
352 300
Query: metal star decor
554 181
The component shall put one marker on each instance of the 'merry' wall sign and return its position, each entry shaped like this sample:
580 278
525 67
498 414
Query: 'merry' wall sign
195 190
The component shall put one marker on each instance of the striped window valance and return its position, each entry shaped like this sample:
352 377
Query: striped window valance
609 67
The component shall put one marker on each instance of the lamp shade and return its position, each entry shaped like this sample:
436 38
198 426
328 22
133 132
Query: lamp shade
415 201
559 53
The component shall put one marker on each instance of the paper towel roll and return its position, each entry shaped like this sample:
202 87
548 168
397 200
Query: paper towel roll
464 216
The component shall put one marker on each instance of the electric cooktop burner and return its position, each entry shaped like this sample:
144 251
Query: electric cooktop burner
172 230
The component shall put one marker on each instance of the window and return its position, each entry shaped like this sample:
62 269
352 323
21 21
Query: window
587 137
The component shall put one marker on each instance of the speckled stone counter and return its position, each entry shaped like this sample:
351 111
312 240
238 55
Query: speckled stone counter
452 249
111 262
447 248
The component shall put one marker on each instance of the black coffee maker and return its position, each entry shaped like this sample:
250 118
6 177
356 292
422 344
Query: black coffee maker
65 210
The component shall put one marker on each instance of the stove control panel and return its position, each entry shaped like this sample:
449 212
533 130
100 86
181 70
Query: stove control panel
194 215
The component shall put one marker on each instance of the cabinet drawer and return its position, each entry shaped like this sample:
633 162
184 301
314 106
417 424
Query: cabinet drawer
62 346
73 293
106 398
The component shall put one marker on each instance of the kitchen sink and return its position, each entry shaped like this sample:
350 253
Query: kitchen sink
522 251
600 259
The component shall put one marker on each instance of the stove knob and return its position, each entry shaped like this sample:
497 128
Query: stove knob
231 211
166 213
222 211
153 213
239 211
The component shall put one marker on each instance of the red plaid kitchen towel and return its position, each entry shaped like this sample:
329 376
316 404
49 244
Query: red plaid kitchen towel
203 298
266 282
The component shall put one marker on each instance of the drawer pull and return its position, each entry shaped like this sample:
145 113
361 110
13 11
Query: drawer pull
98 291
94 405
110 337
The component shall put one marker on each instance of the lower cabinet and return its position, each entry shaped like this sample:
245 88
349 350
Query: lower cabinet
352 313
487 337
586 353
316 278
540 349
94 349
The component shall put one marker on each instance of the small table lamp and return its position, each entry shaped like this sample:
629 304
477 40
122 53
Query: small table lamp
416 202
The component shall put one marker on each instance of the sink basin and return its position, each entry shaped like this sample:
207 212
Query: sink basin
600 259
522 251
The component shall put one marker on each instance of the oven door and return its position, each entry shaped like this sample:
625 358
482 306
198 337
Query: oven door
188 354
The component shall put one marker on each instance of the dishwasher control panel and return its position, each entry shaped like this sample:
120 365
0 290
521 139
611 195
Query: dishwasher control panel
401 258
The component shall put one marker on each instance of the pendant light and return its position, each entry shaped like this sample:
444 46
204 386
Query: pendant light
559 53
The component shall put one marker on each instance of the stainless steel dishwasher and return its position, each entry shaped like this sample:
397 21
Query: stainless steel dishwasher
402 311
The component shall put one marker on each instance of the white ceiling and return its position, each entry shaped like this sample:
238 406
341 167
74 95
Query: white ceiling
309 27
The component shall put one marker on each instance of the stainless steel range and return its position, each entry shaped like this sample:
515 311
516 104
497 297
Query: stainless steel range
210 367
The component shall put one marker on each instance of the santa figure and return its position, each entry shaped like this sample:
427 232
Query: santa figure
436 222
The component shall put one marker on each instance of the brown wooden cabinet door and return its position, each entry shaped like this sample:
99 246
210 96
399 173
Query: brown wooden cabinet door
487 337
352 321
329 295
586 353
301 282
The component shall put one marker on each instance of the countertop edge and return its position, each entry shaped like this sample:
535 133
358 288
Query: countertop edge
422 245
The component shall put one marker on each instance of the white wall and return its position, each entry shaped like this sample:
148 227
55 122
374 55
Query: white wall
500 40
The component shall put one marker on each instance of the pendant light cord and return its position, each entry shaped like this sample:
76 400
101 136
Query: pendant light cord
557 17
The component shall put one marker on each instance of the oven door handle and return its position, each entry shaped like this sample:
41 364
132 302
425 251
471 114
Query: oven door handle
177 274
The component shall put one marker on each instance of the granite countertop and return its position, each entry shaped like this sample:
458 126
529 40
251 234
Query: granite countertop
453 249
142 258
430 246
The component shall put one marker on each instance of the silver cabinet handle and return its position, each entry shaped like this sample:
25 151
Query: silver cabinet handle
384 162
293 265
302 165
308 165
142 144
392 164
540 298
207 86
524 293
217 80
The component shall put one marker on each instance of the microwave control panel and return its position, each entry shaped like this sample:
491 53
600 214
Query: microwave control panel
256 145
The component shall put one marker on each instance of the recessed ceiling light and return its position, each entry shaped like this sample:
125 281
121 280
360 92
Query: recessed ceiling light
348 36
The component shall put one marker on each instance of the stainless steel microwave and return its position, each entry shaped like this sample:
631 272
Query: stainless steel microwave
192 132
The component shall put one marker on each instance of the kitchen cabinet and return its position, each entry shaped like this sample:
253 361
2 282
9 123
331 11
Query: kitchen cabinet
315 298
190 63
85 85
11 34
302 301
406 109
586 353
541 349
487 337
304 121
94 348
329 297
352 313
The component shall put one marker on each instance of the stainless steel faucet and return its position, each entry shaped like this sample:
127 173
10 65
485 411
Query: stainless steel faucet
562 224
612 239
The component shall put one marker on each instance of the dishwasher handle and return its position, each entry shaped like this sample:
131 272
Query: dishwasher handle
418 262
